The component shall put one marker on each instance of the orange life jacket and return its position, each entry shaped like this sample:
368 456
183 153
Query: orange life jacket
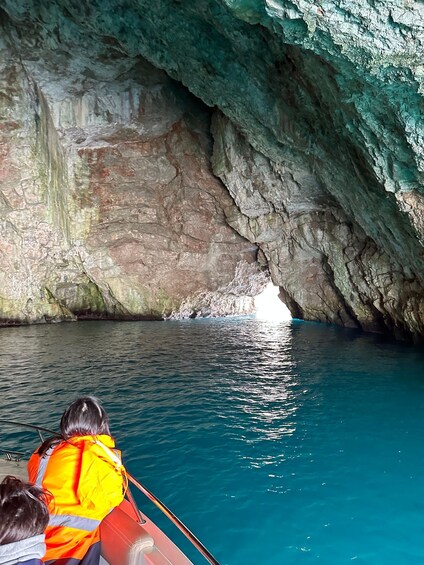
87 480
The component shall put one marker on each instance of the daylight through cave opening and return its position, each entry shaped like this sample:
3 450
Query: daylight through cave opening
269 305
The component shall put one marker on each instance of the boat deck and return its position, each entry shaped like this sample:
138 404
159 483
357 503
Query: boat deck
15 468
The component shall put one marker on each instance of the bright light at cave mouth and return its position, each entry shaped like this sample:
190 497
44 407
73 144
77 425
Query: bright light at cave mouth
269 306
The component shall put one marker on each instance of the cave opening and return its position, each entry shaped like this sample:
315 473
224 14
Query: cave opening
269 305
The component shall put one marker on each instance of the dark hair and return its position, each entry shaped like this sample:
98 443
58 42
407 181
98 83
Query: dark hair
23 510
85 416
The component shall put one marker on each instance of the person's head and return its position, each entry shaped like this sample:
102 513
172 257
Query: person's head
85 416
23 510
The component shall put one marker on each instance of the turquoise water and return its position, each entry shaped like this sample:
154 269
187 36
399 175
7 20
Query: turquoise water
276 443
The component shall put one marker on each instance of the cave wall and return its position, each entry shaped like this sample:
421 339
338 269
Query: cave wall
328 268
109 207
318 133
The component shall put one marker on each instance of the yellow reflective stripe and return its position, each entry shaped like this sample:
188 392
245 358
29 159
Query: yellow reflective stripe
77 522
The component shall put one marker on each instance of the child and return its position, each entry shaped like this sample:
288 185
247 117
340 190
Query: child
23 519
84 473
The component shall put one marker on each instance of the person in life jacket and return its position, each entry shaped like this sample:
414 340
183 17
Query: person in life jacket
23 519
83 471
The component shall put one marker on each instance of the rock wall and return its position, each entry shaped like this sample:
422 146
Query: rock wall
109 207
320 146
327 267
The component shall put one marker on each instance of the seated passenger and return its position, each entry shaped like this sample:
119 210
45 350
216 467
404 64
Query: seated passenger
23 519
85 475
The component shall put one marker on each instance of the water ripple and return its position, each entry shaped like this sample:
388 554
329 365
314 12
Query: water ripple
286 436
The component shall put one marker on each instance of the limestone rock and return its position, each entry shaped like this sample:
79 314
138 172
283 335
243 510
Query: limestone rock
233 299
108 205
328 95
327 268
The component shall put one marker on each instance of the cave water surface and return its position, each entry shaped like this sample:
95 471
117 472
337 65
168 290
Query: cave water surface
275 442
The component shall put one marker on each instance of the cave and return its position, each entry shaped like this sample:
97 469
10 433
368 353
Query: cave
170 159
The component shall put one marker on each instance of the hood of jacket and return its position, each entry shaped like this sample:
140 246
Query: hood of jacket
18 551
